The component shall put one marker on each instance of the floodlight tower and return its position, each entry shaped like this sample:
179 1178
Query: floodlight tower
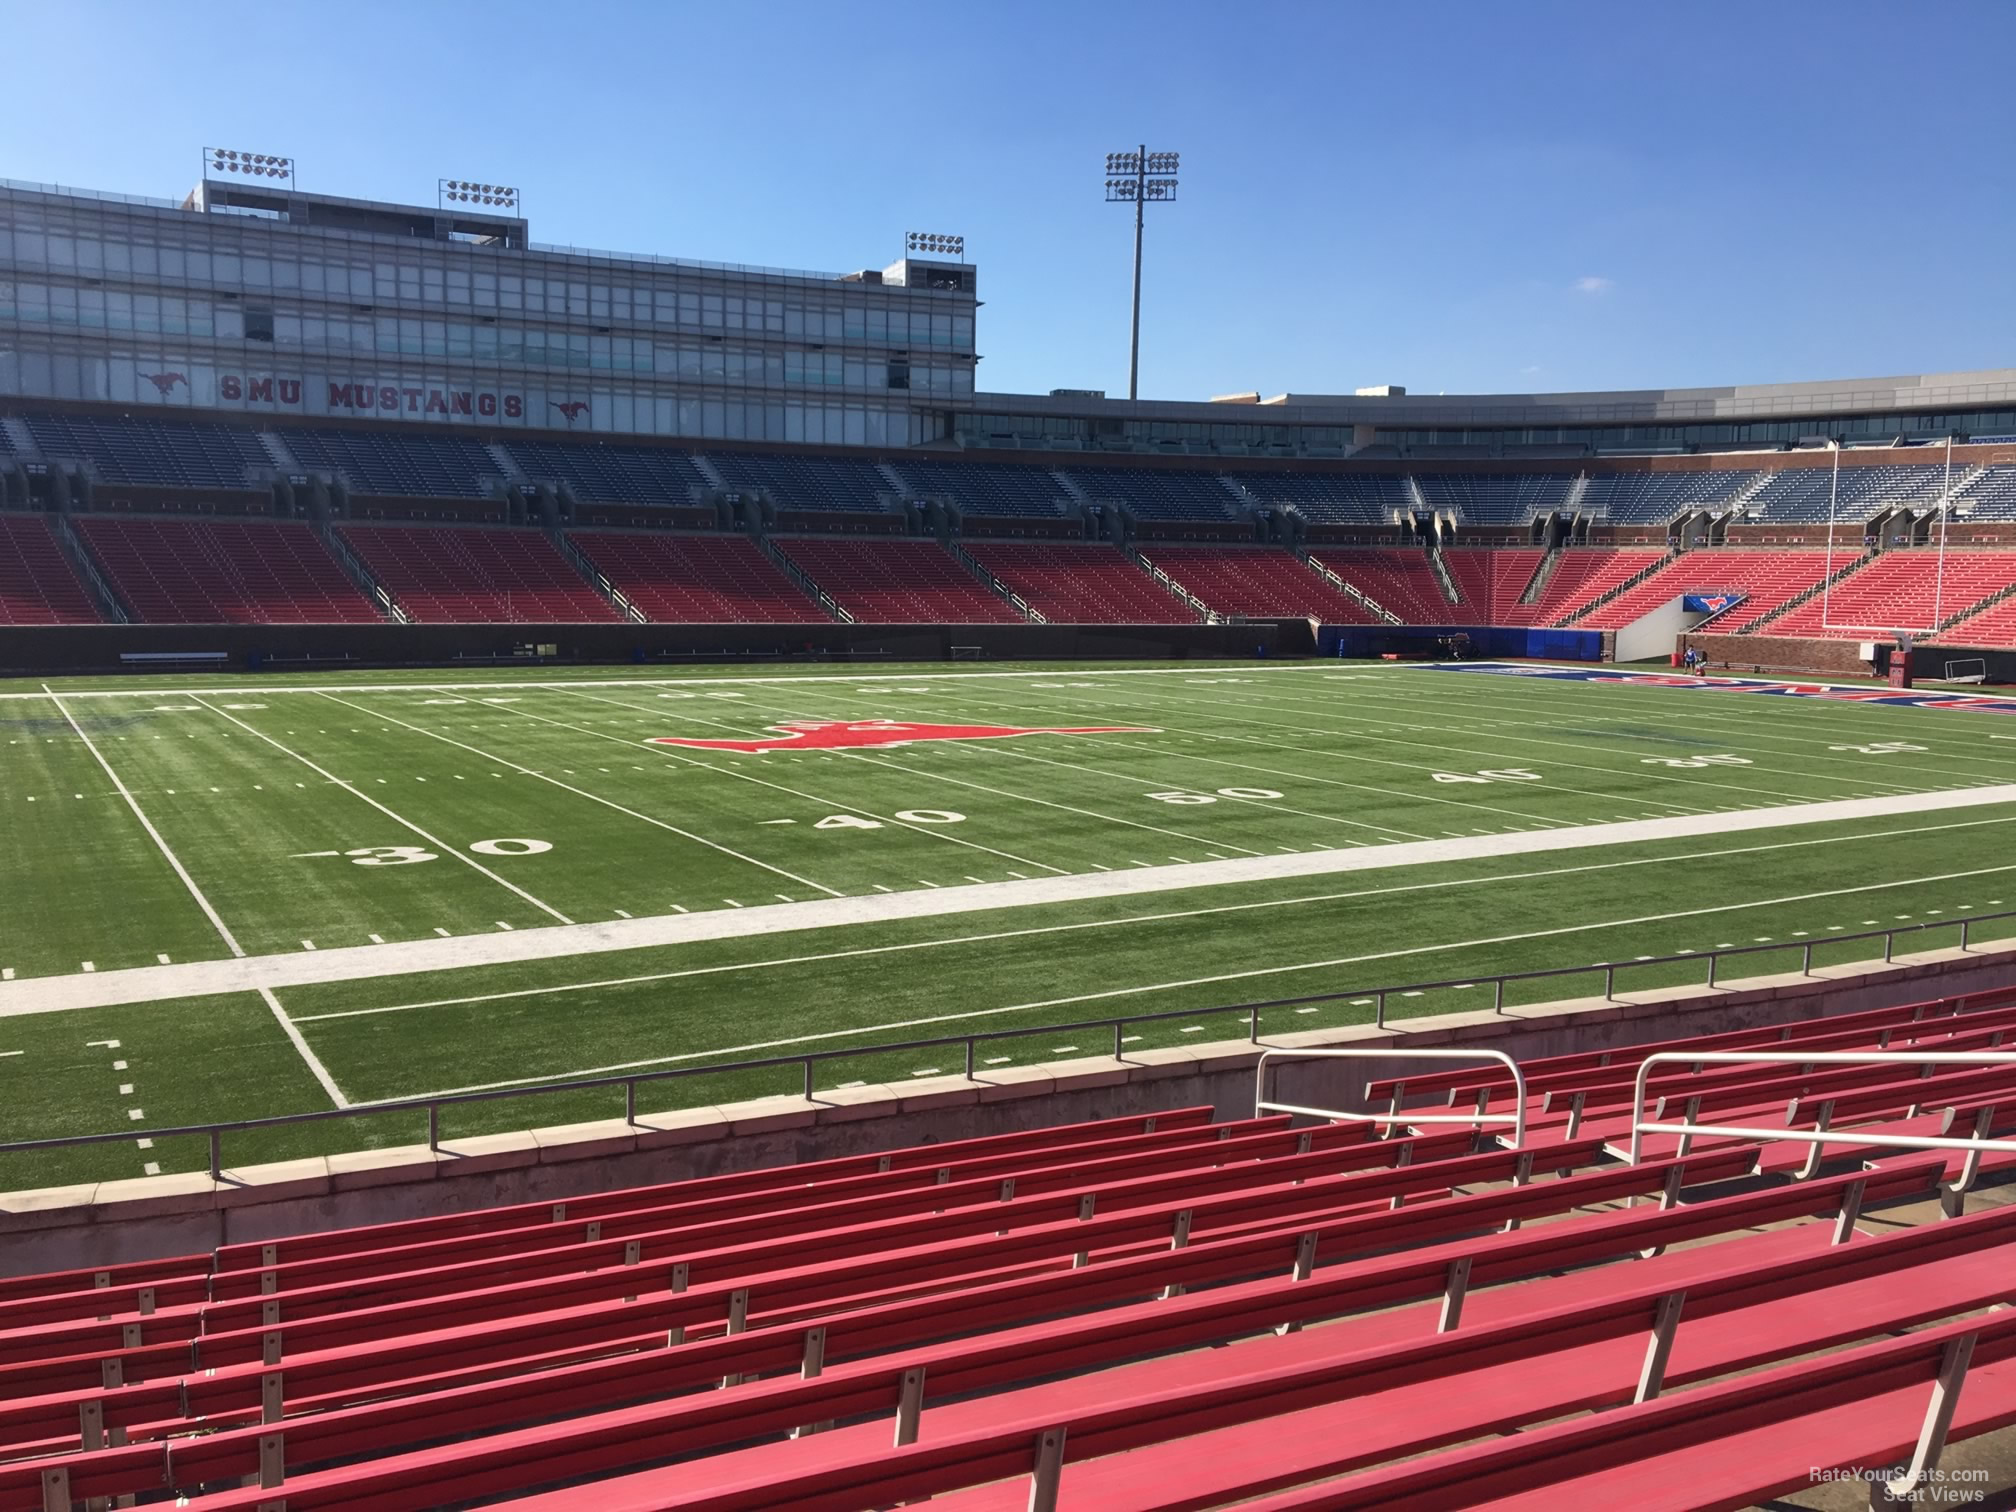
1136 178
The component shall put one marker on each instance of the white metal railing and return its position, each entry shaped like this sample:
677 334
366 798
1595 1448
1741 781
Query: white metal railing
1820 1135
1475 1118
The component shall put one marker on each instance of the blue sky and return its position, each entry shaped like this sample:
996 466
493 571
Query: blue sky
1457 196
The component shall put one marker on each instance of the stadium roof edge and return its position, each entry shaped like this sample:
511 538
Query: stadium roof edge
1917 392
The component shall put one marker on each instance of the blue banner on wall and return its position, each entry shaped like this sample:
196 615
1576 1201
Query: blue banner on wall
1711 603
1481 641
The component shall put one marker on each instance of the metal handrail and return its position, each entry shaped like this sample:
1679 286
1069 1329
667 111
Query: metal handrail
1820 1136
808 1061
1516 1118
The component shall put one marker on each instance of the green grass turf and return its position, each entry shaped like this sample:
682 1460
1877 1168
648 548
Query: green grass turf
249 781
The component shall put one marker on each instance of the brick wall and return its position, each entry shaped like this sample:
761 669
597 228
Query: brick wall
1779 653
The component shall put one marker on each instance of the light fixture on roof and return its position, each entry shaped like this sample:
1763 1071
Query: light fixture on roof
223 162
467 192
1135 178
934 242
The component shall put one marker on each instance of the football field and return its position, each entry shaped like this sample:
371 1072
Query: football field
227 898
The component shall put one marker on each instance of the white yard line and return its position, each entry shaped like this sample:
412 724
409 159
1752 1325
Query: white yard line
300 1043
1253 716
668 753
1412 721
314 1062
999 749
833 892
1400 794
174 861
1754 720
357 792
360 962
1127 921
1144 988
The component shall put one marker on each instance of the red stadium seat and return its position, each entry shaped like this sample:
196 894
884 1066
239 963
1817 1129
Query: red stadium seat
476 575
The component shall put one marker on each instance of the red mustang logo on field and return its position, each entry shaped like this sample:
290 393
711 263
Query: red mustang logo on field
840 735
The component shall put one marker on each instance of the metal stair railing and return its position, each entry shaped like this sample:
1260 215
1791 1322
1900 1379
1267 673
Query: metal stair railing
1811 593
1622 588
1475 1118
1821 1135
802 578
1210 615
1349 590
596 578
994 585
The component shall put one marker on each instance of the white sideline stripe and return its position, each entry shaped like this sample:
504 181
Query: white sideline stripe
359 962
358 792
1207 981
1303 900
582 793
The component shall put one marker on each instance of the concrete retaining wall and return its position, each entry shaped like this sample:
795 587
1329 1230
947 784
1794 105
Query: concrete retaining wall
64 1228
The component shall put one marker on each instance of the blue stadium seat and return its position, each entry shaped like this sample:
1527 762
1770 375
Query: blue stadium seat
987 490
605 474
1158 495
1992 496
386 462
1802 495
129 449
797 482
1332 498
1494 499
1657 498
